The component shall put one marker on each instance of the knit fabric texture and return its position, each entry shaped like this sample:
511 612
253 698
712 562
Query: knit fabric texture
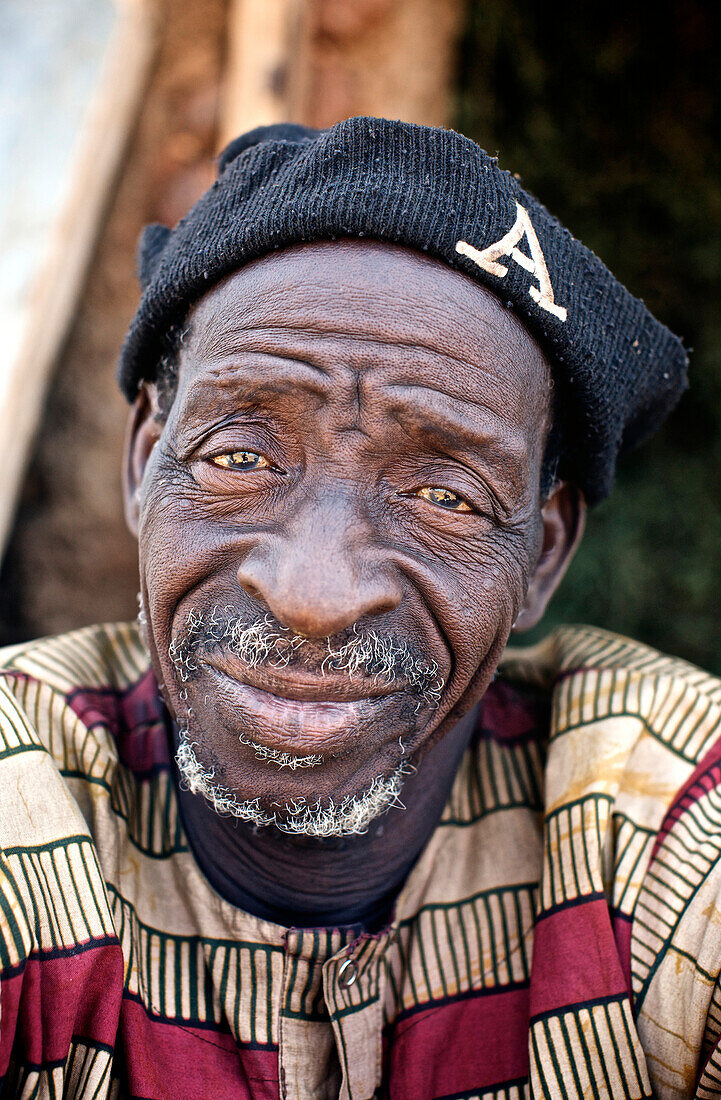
617 370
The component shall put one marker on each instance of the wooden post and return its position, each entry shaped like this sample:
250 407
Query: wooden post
55 291
70 559
319 61
267 49
390 58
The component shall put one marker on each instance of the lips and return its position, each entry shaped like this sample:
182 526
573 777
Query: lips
326 688
296 714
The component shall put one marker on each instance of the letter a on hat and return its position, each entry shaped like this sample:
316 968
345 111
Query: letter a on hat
487 258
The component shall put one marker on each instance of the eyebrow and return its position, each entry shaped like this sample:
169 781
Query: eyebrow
470 426
242 382
266 372
479 424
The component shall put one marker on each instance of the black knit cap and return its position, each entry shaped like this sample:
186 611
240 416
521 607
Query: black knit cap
619 372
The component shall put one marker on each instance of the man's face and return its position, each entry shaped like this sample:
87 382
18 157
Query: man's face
340 519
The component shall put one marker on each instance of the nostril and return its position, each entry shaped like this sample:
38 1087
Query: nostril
250 588
253 577
388 604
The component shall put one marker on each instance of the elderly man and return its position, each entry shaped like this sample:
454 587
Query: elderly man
309 830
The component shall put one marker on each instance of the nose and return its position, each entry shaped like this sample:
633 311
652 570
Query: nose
322 574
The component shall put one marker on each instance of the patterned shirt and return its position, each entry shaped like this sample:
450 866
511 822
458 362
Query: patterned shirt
559 936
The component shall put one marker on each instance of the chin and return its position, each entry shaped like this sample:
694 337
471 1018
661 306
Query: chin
300 807
259 743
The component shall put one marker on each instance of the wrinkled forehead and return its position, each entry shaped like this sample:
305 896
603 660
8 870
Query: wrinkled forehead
355 298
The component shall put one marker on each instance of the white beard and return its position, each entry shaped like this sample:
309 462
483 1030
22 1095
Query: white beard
351 817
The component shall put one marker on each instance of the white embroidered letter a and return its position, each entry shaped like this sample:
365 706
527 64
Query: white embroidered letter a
487 258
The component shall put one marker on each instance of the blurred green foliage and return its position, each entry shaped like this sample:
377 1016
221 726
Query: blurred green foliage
611 114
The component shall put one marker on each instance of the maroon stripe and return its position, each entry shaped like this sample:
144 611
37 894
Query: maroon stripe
163 1059
10 992
512 717
54 999
468 1045
703 779
622 926
135 718
575 958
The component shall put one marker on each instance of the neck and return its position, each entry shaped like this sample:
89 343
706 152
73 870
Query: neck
304 882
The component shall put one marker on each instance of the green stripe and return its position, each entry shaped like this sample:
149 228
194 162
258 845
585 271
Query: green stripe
539 1063
9 922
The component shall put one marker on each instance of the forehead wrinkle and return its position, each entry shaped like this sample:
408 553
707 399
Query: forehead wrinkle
270 369
264 370
225 351
228 346
223 330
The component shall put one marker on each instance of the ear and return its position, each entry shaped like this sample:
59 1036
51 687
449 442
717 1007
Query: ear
564 518
141 434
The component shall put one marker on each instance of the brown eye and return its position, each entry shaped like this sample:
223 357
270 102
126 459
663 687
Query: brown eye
445 498
242 460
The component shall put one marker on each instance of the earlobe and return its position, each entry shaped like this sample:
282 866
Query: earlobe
563 517
142 433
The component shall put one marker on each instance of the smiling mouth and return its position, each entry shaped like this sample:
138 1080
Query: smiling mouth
329 688
296 715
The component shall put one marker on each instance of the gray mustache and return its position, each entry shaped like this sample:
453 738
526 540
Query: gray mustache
263 642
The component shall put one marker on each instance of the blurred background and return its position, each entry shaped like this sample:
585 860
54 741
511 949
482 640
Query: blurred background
110 116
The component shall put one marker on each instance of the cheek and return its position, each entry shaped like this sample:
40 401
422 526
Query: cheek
175 554
479 597
178 540
188 561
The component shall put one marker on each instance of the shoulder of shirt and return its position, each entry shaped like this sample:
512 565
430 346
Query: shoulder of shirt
43 736
570 649
107 656
593 675
51 757
43 683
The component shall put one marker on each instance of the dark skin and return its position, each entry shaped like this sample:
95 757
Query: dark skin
356 442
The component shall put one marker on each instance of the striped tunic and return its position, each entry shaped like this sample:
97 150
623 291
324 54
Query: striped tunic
560 935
